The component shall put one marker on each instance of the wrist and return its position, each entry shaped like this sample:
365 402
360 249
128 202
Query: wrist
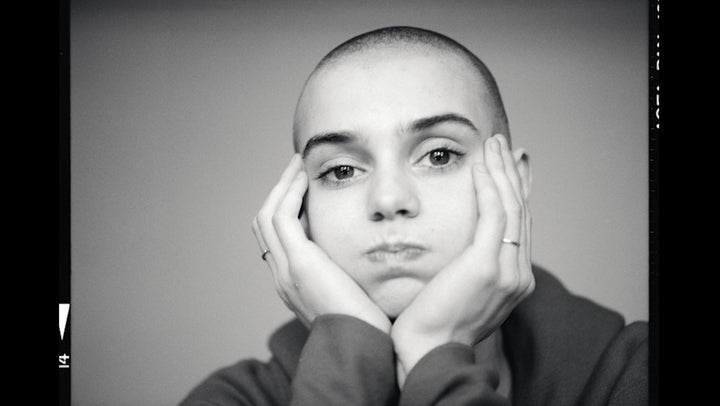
379 321
412 347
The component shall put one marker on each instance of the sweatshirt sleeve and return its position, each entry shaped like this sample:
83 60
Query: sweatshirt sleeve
345 361
448 375
620 378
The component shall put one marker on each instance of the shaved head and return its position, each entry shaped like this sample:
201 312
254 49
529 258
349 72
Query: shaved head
391 40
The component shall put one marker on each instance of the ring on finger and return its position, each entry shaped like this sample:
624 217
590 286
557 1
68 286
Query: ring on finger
264 254
509 241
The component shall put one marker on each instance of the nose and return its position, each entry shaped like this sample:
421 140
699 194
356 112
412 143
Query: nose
392 194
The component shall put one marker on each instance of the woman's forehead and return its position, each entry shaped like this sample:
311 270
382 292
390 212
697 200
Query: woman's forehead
383 91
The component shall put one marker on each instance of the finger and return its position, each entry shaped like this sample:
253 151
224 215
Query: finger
267 211
523 273
513 174
279 190
513 213
526 178
262 244
277 254
526 267
272 264
289 228
511 206
511 169
519 158
528 233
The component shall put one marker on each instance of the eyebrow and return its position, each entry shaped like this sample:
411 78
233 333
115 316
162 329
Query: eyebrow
341 137
427 122
344 137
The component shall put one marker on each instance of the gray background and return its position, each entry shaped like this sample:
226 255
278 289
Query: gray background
181 121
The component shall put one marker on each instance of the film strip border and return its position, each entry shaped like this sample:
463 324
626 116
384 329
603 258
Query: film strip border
63 200
654 40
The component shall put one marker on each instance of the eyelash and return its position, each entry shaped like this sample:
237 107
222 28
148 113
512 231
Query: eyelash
324 178
456 157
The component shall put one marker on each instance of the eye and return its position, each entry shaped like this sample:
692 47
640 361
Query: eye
338 175
343 172
439 158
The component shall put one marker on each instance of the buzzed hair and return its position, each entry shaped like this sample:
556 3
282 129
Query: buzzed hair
403 36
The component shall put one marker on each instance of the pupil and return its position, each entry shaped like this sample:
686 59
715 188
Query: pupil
344 172
439 157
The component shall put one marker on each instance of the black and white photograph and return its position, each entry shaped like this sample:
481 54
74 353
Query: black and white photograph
359 203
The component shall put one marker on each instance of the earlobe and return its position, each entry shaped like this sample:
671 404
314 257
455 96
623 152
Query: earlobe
522 161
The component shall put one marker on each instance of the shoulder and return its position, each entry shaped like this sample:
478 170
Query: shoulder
247 382
552 304
621 375
251 381
559 343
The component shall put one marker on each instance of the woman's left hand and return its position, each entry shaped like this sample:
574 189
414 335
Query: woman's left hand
474 294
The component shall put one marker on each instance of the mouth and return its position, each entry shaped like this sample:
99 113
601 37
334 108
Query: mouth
395 252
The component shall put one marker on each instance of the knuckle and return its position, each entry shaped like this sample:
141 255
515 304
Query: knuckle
280 289
277 219
512 285
263 217
506 284
284 285
530 286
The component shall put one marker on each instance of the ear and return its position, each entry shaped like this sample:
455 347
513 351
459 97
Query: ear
522 161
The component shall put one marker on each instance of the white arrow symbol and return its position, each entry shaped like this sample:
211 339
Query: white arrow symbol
64 311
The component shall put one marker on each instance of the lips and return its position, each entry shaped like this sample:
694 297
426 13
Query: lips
395 252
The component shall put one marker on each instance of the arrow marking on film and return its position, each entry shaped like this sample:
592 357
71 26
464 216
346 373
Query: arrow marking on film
64 311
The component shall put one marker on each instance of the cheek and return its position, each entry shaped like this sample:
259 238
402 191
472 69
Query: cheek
450 209
330 214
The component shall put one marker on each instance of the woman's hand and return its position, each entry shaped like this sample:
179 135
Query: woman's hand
472 296
306 279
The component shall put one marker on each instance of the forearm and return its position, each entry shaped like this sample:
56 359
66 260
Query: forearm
449 375
345 361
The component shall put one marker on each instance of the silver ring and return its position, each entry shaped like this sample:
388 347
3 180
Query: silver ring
509 241
265 252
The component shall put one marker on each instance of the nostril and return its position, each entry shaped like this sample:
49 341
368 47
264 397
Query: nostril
378 216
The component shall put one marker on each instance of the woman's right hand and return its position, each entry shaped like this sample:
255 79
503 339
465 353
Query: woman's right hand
306 279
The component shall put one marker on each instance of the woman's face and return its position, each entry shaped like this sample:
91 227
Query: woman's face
390 140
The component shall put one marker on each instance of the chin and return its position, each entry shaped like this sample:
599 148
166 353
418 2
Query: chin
393 296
